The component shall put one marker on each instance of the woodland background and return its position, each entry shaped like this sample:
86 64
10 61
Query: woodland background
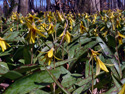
77 6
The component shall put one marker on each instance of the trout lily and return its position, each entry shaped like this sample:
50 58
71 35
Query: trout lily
67 36
51 29
31 17
49 56
33 31
3 44
60 17
99 63
120 37
82 28
122 91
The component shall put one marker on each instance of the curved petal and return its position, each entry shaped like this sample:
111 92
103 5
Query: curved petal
50 53
102 65
97 69
122 91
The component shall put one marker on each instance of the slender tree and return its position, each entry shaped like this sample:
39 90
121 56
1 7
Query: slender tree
23 7
48 4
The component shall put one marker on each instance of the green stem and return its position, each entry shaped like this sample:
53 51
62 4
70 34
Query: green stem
54 79
32 54
92 77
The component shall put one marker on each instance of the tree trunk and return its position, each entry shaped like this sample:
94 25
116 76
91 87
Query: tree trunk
15 5
95 5
23 7
5 8
31 5
48 5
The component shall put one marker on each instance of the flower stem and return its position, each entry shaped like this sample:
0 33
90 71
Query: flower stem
92 77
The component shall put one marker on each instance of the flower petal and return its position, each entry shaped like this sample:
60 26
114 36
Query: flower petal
102 65
122 91
50 53
97 69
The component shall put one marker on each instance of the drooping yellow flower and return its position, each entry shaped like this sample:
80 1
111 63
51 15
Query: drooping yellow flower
60 16
99 63
33 31
86 15
95 32
11 29
49 56
82 28
102 28
67 36
14 16
49 18
105 33
72 23
118 23
120 37
122 91
112 15
51 29
3 44
31 18
94 18
21 21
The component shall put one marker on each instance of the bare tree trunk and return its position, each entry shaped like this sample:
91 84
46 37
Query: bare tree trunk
5 8
31 4
95 5
23 7
15 5
40 4
48 5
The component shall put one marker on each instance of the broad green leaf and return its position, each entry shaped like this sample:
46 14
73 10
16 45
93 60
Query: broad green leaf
58 63
106 50
27 55
82 51
111 41
83 88
117 83
12 75
34 81
114 89
3 68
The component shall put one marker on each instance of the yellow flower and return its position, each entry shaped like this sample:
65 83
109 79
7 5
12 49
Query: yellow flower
60 16
95 32
122 91
67 36
102 28
99 63
72 23
94 19
3 44
21 21
118 23
31 18
51 29
11 29
49 18
86 16
33 31
105 33
120 36
112 15
14 16
82 28
49 56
